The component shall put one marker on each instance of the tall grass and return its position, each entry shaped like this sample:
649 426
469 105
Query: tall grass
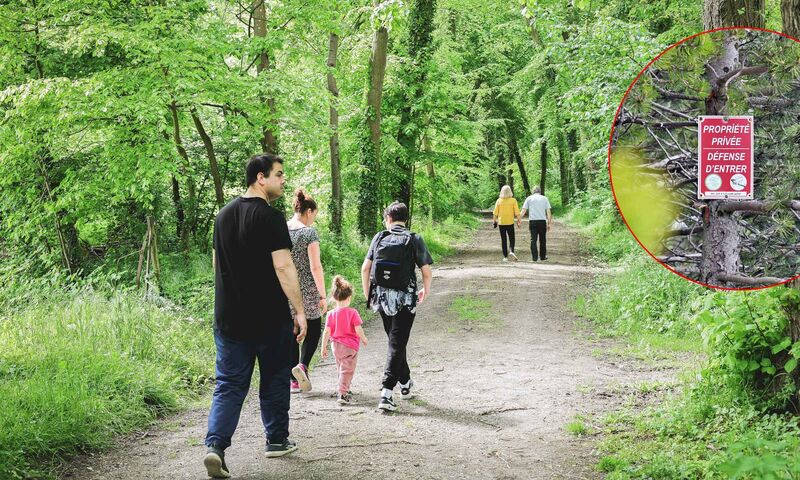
76 372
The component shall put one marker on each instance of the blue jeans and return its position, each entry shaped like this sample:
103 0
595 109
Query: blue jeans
234 369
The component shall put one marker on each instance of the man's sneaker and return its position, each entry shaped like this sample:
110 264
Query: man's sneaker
505 259
345 399
405 390
294 387
301 374
215 463
512 256
280 449
387 404
544 258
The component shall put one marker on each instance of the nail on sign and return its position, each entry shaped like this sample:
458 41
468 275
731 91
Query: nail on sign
725 157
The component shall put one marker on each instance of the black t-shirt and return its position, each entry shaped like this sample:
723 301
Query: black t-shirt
249 302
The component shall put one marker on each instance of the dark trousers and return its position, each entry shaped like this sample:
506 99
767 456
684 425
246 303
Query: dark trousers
507 231
305 352
398 328
234 369
538 230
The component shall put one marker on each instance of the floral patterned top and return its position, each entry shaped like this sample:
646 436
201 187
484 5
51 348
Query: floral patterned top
301 239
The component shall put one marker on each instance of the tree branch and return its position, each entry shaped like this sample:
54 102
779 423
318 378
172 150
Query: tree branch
749 281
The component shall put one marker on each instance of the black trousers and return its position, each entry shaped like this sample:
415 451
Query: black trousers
305 352
398 329
507 231
538 230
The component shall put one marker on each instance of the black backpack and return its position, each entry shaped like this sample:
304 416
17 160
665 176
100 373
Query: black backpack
393 260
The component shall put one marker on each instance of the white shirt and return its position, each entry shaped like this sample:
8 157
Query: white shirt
536 205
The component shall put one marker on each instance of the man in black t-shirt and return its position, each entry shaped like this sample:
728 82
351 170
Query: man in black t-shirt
254 280
397 307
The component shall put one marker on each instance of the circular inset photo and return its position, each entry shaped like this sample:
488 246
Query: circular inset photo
704 158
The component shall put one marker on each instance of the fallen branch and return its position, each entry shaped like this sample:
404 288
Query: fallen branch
382 442
501 410
749 281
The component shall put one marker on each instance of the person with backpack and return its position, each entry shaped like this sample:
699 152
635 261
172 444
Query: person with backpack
389 280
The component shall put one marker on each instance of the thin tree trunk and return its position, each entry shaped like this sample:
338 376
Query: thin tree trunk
563 170
61 240
419 41
370 180
426 147
212 158
790 13
513 149
179 213
191 223
268 140
543 161
733 13
578 177
336 205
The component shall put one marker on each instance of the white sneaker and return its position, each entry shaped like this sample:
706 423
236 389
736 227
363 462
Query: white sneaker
505 259
513 257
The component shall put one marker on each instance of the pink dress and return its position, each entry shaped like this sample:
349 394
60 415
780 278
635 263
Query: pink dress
345 342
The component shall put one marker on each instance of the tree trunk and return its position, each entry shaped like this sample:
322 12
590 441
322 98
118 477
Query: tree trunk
578 178
61 240
268 141
336 205
722 233
426 147
369 181
563 170
543 160
179 213
190 207
721 245
513 150
790 12
212 158
420 33
733 13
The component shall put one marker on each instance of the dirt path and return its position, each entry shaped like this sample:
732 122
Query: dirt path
493 395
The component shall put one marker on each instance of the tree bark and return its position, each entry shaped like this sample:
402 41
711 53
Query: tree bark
179 213
721 246
212 158
268 141
420 34
369 181
563 172
184 169
543 161
336 205
733 13
513 149
790 13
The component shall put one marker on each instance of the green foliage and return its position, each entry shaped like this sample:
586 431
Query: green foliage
75 372
643 298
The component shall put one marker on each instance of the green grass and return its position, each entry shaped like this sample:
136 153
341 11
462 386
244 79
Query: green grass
76 372
577 428
473 312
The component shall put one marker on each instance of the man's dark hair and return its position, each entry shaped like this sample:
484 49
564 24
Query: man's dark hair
397 211
262 163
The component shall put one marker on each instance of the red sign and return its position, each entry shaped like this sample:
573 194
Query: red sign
725 157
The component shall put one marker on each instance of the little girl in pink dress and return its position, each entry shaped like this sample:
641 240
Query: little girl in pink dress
343 327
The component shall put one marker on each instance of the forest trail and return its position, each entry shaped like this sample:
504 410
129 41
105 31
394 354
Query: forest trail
493 394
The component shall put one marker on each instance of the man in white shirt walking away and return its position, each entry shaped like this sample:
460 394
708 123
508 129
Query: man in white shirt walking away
538 222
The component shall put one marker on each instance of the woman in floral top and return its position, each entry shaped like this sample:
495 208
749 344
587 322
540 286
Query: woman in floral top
306 256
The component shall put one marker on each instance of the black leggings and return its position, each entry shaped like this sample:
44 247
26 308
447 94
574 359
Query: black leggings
507 231
305 352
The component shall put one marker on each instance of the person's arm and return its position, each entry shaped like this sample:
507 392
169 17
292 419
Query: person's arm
325 337
318 274
517 214
549 219
427 277
287 275
361 334
365 269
